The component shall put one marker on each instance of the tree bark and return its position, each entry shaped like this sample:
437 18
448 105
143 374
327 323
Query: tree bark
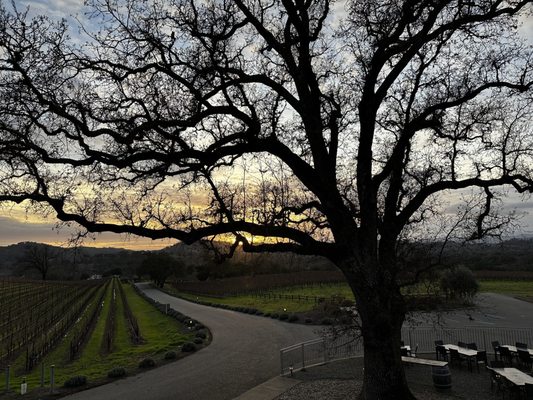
382 311
384 377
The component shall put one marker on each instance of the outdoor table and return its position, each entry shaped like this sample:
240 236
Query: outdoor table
513 375
461 350
470 354
514 349
442 378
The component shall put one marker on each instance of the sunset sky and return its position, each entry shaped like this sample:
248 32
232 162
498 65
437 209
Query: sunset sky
16 225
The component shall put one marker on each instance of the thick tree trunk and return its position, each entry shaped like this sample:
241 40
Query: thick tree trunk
384 377
382 312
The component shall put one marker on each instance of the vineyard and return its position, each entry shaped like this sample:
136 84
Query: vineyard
36 315
82 328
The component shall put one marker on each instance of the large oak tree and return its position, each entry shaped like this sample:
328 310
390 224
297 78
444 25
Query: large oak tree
321 128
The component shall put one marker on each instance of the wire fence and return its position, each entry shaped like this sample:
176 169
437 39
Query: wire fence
323 350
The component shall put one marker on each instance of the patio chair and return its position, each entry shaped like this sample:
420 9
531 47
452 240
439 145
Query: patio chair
441 353
520 345
471 346
413 353
455 357
495 378
481 358
514 391
462 344
496 348
525 359
528 389
506 355
404 352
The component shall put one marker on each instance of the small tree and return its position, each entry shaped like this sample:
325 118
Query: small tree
459 282
39 257
159 267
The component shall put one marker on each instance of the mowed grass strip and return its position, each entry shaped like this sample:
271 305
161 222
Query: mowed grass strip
274 304
161 333
517 288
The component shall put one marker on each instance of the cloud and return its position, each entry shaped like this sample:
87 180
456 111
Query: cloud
13 230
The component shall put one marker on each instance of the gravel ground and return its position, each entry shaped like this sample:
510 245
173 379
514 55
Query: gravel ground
342 380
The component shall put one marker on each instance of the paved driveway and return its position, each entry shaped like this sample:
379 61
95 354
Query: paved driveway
491 310
244 353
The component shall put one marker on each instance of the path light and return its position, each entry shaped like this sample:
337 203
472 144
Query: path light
23 386
291 369
284 310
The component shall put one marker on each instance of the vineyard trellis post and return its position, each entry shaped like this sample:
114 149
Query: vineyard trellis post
7 378
303 356
42 374
52 367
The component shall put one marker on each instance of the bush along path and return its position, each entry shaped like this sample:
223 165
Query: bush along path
101 347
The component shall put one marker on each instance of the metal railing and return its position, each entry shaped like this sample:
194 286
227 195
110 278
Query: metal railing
323 350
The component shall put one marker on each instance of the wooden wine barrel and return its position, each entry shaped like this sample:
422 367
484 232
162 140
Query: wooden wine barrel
442 378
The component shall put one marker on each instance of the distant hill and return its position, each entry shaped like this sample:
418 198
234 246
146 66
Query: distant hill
69 263
78 263
509 255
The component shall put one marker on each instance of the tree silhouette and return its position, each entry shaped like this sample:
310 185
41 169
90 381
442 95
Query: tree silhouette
39 257
332 129
159 267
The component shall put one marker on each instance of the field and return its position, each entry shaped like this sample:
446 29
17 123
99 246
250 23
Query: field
290 299
113 327
522 289
306 297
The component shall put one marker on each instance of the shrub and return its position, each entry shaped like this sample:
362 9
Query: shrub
197 340
293 318
147 363
202 334
347 303
267 314
75 381
117 372
274 315
308 321
459 282
283 316
188 347
327 321
170 355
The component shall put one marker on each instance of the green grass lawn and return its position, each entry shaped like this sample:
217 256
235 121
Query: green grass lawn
518 288
160 332
276 305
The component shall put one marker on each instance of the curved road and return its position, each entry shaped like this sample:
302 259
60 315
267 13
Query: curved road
244 353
